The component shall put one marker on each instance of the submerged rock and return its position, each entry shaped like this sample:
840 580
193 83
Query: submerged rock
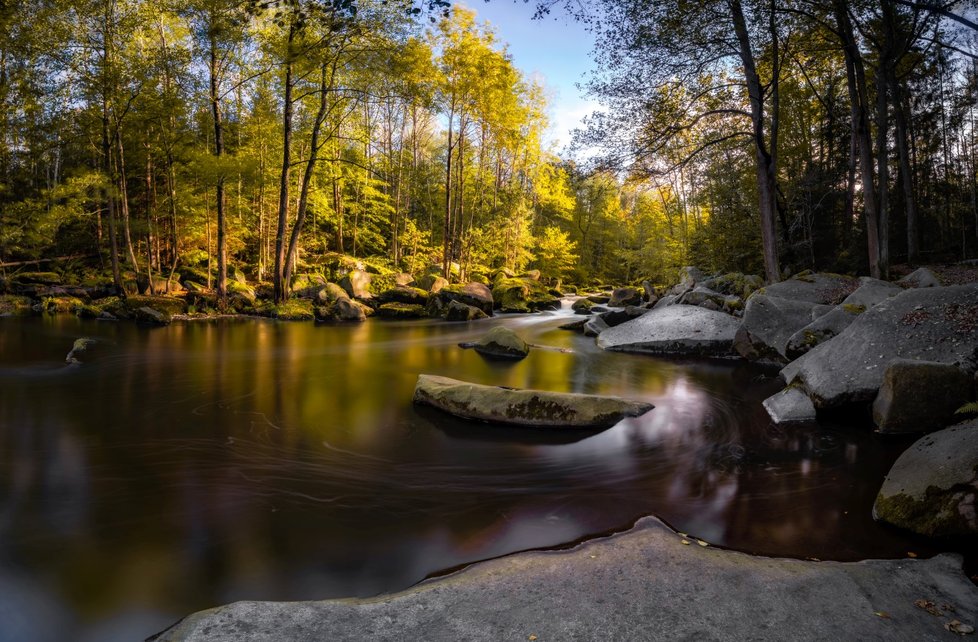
933 486
81 349
681 330
791 405
931 324
524 407
502 343
920 396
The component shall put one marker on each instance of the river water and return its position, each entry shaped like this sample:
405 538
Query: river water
208 462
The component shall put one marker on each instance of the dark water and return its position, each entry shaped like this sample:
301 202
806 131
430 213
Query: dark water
204 463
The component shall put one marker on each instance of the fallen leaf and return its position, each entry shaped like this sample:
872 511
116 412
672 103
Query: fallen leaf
882 614
911 555
683 535
928 606
701 542
956 626
686 542
532 637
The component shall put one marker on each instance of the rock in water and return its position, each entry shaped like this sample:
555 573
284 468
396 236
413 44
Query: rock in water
933 324
933 486
791 405
920 396
80 348
524 407
458 311
502 343
769 324
682 330
356 284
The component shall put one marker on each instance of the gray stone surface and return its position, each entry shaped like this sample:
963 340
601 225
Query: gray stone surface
403 294
357 284
791 405
537 408
682 330
625 296
343 309
931 324
666 301
594 326
582 306
931 489
458 311
644 584
920 396
769 323
818 287
921 278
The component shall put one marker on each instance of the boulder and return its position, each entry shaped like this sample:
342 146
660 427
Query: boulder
666 301
458 311
769 323
148 316
307 286
814 287
734 284
933 486
401 311
502 343
682 330
533 275
689 276
650 294
920 278
594 326
166 305
932 324
575 326
920 396
404 278
614 318
356 284
701 295
582 306
523 295
536 408
403 294
791 405
343 309
475 294
625 296
330 294
599 299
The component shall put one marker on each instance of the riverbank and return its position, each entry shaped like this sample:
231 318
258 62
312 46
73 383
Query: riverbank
648 583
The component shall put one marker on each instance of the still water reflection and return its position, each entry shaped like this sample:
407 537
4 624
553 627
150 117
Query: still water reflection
204 463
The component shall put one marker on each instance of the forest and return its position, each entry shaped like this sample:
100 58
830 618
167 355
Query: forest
139 137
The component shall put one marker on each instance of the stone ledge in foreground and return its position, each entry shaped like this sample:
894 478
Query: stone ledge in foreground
643 584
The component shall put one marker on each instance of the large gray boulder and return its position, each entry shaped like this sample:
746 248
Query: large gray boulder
920 278
502 343
524 407
357 284
931 324
595 326
682 330
343 310
403 294
791 405
625 296
932 487
826 326
769 324
458 311
920 396
582 306
814 287
475 294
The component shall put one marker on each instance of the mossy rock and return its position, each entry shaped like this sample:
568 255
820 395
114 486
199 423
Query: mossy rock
401 311
502 343
12 305
380 283
582 306
168 305
403 294
150 316
330 294
523 295
238 289
291 310
40 278
853 308
62 305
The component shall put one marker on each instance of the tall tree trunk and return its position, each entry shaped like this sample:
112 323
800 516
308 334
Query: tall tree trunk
764 149
280 287
883 164
447 241
858 101
124 202
222 241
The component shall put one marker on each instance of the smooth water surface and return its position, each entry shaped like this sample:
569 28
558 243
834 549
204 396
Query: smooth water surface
208 462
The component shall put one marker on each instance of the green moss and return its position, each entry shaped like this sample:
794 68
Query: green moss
401 311
291 310
853 308
16 306
382 282
44 278
61 305
168 305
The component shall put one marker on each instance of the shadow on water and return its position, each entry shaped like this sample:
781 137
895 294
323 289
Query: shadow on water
198 464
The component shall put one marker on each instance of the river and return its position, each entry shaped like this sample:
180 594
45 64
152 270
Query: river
209 462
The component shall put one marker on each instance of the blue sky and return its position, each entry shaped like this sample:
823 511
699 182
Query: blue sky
555 49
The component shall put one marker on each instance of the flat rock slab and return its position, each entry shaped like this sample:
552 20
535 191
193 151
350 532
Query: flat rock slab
791 405
644 584
535 408
681 330
932 324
